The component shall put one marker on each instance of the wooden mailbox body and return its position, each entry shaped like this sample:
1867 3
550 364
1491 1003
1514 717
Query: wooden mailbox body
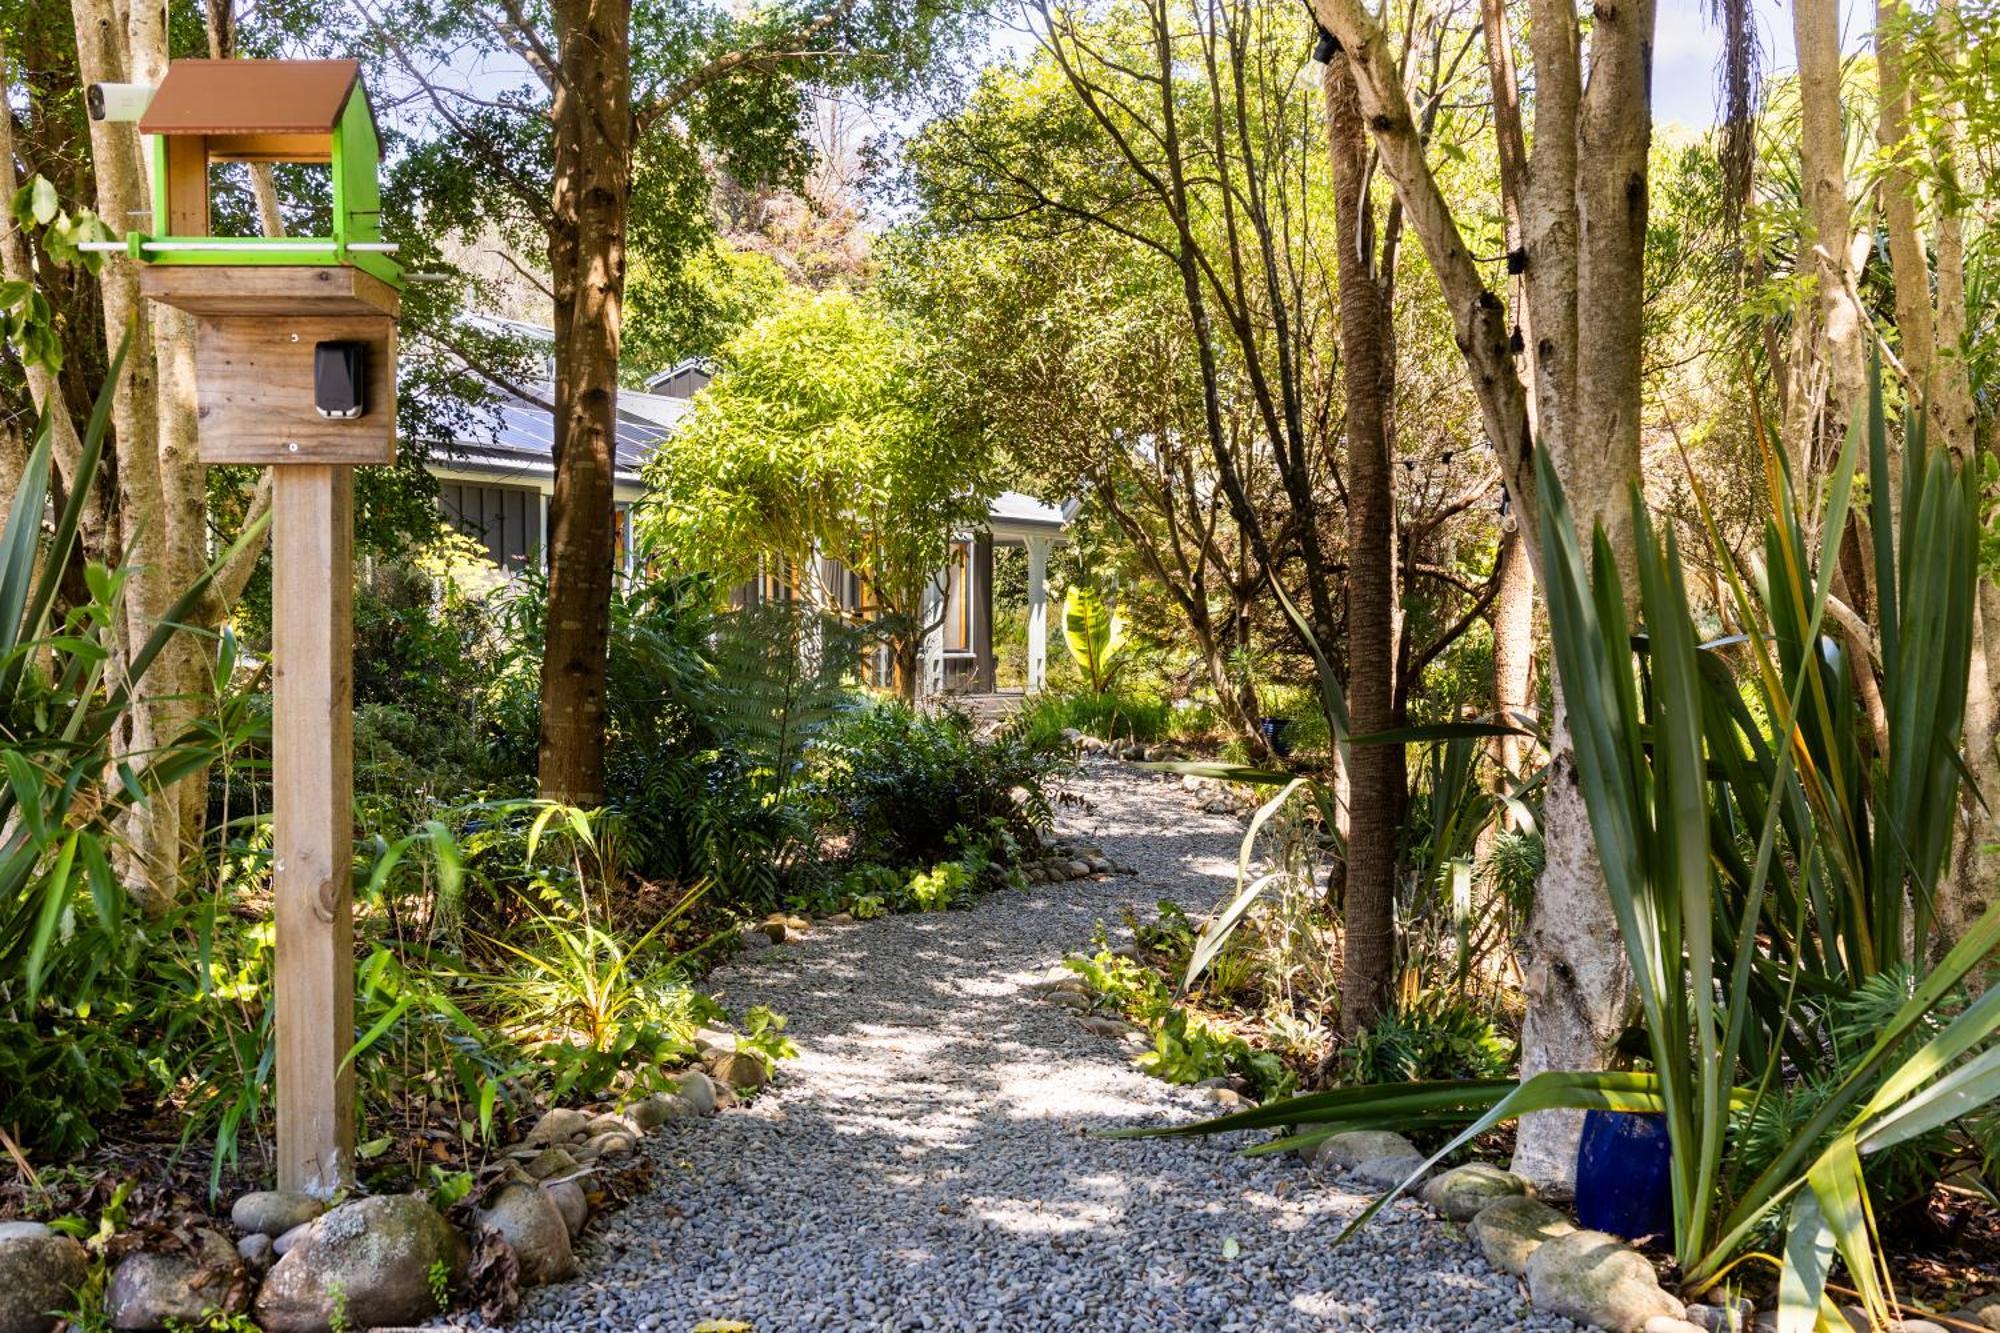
255 331
263 304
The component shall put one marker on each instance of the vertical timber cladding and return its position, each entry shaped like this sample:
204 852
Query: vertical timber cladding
263 308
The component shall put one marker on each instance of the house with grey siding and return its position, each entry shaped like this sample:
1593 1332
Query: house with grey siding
494 486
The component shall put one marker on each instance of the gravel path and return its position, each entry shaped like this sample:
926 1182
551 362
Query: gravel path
924 1162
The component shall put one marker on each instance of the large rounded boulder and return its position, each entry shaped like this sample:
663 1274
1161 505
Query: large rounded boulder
39 1274
368 1263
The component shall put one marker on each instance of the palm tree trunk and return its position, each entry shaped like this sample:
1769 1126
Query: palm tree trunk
1376 777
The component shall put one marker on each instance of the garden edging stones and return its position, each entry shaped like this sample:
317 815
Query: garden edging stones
1461 1192
365 1263
1595 1278
1982 1313
273 1212
1586 1276
1346 1151
382 1260
534 1225
156 1291
1509 1230
39 1274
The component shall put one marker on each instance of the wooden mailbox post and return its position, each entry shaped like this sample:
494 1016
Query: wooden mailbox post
295 353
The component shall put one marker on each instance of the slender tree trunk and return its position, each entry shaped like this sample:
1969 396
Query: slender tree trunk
1513 620
1817 412
908 657
1896 193
1929 333
1376 778
1582 229
1513 615
161 482
591 200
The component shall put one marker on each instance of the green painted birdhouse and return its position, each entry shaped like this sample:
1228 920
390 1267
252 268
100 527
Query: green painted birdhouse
215 111
295 336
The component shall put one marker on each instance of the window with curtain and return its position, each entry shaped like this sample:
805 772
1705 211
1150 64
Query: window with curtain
958 600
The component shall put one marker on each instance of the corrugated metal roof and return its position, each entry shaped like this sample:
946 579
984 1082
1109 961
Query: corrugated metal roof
251 97
522 437
1015 507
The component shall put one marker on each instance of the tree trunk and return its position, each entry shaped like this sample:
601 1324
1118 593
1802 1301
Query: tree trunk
1578 982
1820 403
1582 221
590 200
1376 777
1973 881
908 656
1513 620
1896 193
161 482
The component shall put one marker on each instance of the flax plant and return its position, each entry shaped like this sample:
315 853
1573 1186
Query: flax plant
1767 847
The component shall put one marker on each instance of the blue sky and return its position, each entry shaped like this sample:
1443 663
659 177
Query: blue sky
1686 46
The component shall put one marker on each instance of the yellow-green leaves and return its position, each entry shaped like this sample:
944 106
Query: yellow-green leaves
1095 634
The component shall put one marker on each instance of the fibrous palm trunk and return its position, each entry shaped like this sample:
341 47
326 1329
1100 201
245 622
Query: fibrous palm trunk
1376 777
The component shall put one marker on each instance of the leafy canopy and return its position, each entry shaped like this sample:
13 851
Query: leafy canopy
820 434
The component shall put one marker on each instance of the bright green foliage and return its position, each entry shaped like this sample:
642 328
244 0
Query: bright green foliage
1133 989
694 310
1438 1036
1095 634
1113 715
764 1037
28 323
819 438
907 790
940 888
72 964
1187 1048
874 890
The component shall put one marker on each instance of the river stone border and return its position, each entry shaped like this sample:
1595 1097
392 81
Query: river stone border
382 1260
1588 1276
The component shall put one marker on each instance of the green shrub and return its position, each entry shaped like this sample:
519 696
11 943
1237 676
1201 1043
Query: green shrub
1903 1172
1111 716
906 790
1437 1037
425 633
943 886
77 1010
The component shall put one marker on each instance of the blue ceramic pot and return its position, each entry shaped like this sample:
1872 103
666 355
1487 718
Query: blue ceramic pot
1274 735
1624 1171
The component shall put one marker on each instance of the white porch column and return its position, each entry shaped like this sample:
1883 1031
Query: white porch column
812 589
1038 613
930 678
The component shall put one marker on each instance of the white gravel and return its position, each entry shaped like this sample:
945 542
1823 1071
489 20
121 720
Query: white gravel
925 1162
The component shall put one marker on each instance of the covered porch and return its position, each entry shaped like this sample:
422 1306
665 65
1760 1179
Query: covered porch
962 655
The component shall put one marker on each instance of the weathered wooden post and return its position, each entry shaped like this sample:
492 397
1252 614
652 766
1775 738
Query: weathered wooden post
295 353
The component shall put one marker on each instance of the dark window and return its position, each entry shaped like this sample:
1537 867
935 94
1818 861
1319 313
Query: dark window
507 519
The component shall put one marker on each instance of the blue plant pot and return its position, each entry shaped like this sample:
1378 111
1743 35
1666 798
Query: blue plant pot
1624 1169
1274 729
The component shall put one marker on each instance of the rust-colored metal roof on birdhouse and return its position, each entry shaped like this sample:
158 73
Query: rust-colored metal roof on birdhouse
251 96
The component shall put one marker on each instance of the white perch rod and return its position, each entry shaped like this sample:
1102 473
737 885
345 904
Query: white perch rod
238 243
